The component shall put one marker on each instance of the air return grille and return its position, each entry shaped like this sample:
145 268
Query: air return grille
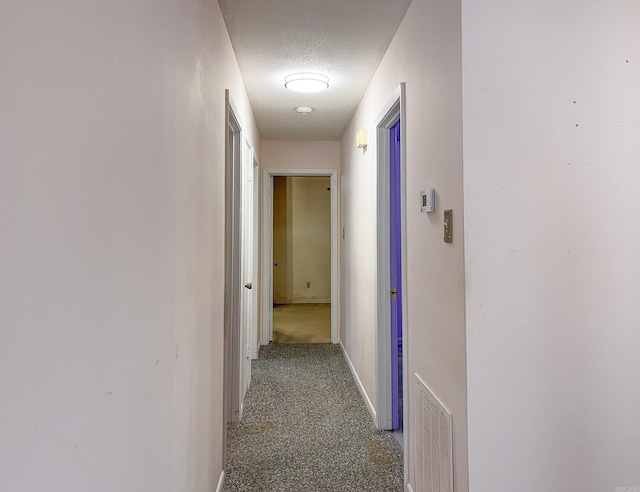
433 446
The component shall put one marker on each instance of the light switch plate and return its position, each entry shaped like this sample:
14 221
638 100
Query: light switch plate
448 226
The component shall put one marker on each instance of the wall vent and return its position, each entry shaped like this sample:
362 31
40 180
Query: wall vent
434 442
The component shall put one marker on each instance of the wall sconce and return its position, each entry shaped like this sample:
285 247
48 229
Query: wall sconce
361 138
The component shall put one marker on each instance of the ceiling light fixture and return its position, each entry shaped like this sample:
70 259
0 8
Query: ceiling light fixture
304 110
306 82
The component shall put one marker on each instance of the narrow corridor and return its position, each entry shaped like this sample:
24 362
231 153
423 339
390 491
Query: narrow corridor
306 428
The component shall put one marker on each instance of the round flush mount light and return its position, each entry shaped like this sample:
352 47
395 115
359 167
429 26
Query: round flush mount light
304 110
306 82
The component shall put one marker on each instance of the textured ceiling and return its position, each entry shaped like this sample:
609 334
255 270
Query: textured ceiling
343 39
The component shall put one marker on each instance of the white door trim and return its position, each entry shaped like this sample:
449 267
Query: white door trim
232 302
255 334
267 247
393 111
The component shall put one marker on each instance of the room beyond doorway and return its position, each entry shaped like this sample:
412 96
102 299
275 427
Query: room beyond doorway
300 255
301 259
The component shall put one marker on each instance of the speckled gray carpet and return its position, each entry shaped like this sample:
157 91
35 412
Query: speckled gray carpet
306 428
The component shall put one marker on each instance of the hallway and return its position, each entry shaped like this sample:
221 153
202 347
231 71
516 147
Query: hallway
306 428
132 134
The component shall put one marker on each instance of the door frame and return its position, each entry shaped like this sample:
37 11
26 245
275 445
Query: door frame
393 111
232 394
255 338
267 247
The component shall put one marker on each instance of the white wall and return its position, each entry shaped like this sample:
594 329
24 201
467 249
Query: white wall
111 251
426 54
552 153
300 154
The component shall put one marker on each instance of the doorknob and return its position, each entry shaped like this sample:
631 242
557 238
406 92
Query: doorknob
394 293
248 285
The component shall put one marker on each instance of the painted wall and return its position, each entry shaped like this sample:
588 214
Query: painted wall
111 250
552 153
302 239
426 54
281 238
300 154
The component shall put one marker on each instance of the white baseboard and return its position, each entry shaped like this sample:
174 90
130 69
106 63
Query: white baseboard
220 482
359 383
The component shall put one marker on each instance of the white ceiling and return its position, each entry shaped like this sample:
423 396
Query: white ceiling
343 39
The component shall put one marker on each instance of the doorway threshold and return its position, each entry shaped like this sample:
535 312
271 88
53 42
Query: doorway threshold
399 436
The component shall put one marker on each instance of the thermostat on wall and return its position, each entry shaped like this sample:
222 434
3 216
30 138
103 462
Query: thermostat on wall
428 201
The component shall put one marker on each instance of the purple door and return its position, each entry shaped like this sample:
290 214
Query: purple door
396 277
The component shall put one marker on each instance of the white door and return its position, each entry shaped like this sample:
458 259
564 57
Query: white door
255 338
248 303
233 288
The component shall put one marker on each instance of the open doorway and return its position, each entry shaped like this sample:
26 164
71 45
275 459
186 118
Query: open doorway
301 259
300 264
396 274
391 342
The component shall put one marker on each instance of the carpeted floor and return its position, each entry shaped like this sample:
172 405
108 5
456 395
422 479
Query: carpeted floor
302 323
306 428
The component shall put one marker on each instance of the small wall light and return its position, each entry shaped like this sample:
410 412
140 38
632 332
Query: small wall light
306 82
361 138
